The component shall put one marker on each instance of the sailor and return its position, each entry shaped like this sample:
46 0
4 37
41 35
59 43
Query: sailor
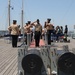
32 31
50 29
14 29
27 30
38 31
19 29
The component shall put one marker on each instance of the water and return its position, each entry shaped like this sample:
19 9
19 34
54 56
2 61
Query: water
3 32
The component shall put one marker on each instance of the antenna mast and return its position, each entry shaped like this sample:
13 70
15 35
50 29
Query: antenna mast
23 19
9 12
22 12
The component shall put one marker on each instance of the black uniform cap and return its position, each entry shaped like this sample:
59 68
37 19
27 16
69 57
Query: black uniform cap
49 19
14 21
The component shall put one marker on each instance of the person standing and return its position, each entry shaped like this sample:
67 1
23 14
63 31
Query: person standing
66 32
61 29
14 33
27 30
38 31
19 36
19 29
50 29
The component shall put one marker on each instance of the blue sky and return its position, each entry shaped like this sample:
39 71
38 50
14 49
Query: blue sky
62 12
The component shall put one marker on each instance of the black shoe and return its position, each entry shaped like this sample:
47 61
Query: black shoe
14 46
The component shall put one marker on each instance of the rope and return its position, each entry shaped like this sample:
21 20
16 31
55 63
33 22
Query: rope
69 8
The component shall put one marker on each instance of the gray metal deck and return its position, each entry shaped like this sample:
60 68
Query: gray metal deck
8 57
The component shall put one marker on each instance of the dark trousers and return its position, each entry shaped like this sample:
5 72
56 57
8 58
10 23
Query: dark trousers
25 35
14 40
37 38
49 36
57 36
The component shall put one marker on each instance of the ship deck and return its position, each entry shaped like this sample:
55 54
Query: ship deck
9 55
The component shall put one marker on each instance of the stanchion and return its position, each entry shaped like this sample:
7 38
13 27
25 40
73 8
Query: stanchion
28 39
46 39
